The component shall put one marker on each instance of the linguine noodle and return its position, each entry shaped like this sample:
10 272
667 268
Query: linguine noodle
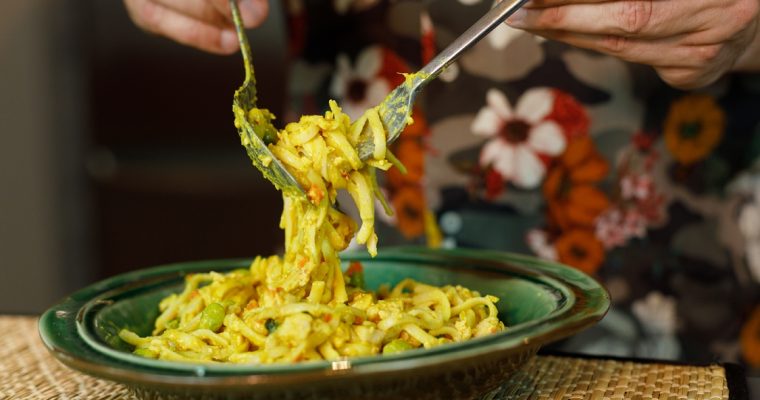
303 306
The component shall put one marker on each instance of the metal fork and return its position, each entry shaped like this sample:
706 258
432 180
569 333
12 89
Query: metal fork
395 110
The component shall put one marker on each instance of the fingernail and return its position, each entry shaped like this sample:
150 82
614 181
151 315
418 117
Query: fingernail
251 13
229 41
517 20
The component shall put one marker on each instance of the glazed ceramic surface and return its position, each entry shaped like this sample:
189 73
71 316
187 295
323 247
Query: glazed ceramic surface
540 302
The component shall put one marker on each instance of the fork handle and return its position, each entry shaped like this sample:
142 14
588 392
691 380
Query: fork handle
472 35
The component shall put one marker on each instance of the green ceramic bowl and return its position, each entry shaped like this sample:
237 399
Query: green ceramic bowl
540 302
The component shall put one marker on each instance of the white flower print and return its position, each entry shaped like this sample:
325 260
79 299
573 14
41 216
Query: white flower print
749 225
538 241
450 73
503 35
636 187
747 186
657 314
609 230
615 227
359 87
658 317
519 135
426 23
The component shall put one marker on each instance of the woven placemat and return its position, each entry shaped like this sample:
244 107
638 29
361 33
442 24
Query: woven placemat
28 371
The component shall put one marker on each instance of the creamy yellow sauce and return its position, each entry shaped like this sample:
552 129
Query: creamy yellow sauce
303 306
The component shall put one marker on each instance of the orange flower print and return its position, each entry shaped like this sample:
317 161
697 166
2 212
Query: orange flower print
418 128
694 126
750 339
572 199
409 204
579 248
406 194
411 153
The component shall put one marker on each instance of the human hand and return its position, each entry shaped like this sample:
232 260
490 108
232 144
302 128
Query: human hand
204 24
690 43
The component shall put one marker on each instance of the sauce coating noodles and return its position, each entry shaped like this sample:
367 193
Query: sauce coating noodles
302 306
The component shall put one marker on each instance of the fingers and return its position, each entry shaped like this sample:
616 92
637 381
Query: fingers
680 65
555 3
201 10
639 18
163 20
204 24
642 51
689 42
686 78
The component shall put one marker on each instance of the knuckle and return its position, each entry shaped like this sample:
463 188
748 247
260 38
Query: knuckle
556 15
192 34
707 54
615 45
634 16
550 18
222 6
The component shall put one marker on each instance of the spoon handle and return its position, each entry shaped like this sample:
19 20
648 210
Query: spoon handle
245 49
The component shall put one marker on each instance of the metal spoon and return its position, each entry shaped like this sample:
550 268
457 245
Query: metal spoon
256 135
395 110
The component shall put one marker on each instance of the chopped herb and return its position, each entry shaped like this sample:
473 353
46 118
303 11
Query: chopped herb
355 274
271 325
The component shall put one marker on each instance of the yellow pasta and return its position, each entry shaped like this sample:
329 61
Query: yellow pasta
303 306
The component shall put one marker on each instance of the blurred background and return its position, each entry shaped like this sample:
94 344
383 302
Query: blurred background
118 152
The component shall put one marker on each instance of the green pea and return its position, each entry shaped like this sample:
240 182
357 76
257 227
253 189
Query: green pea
212 317
357 280
145 352
397 346
269 136
262 125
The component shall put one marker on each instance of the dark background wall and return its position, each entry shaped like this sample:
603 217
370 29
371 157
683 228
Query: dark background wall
117 149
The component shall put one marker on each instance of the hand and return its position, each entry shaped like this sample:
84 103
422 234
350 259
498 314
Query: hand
204 24
690 43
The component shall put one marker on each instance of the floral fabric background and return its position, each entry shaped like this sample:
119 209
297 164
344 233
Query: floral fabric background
531 146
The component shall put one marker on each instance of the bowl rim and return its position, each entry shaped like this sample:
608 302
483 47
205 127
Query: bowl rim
588 302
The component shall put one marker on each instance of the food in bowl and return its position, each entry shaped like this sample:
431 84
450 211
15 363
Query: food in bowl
303 306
